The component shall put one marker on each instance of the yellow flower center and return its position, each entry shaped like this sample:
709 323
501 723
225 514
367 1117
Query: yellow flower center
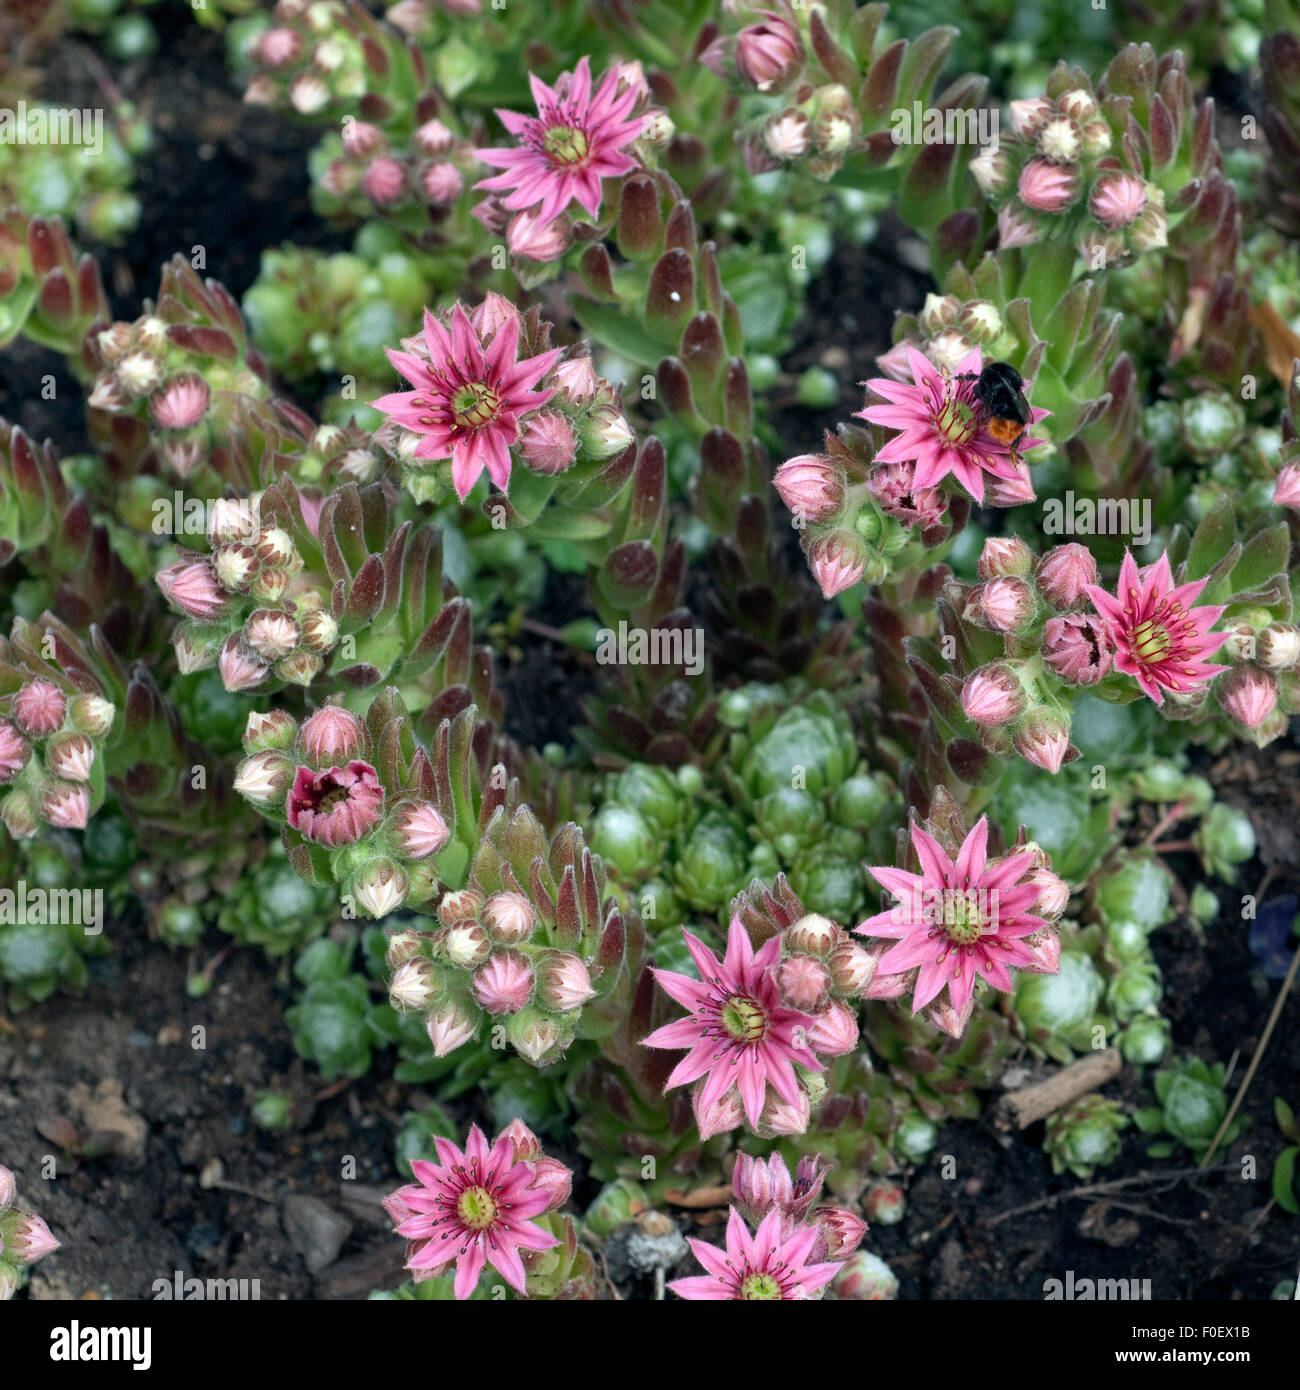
744 1019
759 1286
1151 642
474 405
476 1208
565 144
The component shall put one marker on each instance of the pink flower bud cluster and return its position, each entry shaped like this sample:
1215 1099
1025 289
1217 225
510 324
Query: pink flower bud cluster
832 511
24 1238
320 781
489 963
248 613
761 1186
50 743
822 973
820 131
1261 688
371 174
1061 170
1038 608
310 61
167 376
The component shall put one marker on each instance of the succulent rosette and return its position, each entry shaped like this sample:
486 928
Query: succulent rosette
53 737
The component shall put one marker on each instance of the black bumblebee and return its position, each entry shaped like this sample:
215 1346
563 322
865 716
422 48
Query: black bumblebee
1000 390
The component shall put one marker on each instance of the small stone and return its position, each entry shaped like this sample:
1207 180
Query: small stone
316 1230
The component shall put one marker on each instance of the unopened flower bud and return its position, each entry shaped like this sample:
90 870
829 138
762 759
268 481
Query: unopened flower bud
992 696
841 1231
834 1031
240 670
804 982
14 751
92 714
1029 114
70 756
460 905
1064 575
813 935
1047 187
1278 646
884 1203
1043 739
508 918
1005 605
235 567
563 982
1060 140
191 588
812 486
536 1036
65 805
18 812
852 969
39 707
381 887
1004 556
138 373
788 134
182 403
265 777
412 985
865 1278
420 829
450 1026
769 55
271 633
1248 695
547 443
466 945
267 729
30 1239
504 983
332 736
1117 199
1286 492
838 561
269 585
1053 893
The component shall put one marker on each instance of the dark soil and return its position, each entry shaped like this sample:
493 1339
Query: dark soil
158 1085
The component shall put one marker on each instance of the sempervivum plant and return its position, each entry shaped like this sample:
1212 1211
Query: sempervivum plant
965 917
1085 1135
795 1248
24 1238
528 940
1192 1105
493 1205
